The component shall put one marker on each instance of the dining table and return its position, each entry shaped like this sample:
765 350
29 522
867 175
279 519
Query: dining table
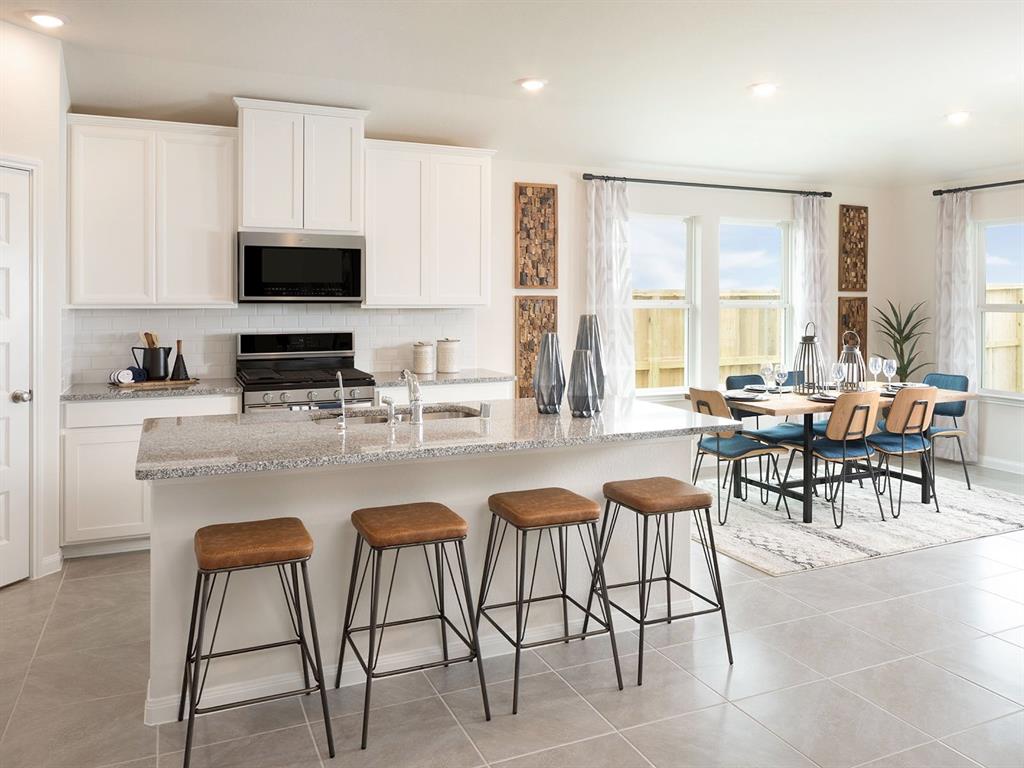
788 404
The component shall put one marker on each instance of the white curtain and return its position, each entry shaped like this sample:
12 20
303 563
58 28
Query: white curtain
956 336
609 281
810 266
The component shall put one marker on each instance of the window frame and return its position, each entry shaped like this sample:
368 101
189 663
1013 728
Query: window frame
984 308
785 300
687 305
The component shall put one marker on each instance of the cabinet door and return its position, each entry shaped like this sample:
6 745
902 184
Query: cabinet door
271 169
111 213
195 222
398 236
333 173
460 202
102 498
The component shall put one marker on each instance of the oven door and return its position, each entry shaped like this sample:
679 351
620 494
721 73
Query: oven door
276 266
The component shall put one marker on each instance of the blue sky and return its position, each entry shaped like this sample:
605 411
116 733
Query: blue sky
749 257
657 247
1004 254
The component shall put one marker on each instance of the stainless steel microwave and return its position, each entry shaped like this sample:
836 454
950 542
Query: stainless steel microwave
291 266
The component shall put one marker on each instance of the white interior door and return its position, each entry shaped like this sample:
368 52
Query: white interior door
15 395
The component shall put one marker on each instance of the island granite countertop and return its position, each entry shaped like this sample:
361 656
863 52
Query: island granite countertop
203 388
466 376
203 446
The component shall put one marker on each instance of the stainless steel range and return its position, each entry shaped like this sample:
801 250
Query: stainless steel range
299 371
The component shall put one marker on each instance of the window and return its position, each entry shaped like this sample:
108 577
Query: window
1002 306
661 264
753 293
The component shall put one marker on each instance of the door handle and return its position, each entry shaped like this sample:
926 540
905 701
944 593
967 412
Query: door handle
21 395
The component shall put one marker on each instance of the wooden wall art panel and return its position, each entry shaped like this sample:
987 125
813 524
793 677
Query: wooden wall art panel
536 254
853 316
534 316
853 248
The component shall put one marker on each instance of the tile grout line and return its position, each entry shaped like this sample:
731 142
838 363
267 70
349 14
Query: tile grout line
309 728
32 659
451 713
911 749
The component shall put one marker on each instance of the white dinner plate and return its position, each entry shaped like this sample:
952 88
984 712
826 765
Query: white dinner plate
741 396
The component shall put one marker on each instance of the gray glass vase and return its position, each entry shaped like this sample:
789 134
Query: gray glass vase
549 375
588 336
582 395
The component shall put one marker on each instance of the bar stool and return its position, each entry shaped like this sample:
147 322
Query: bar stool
395 528
223 549
535 512
661 498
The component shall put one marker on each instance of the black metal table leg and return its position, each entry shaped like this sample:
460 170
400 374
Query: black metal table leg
737 479
808 460
926 496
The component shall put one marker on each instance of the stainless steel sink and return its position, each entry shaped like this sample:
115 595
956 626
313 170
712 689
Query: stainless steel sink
400 418
432 415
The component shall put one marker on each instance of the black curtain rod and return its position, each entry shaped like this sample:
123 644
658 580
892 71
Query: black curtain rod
937 192
807 193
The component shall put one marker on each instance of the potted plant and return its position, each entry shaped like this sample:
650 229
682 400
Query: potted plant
903 332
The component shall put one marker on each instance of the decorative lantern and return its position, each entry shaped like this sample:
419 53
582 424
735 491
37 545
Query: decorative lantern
853 364
549 375
809 366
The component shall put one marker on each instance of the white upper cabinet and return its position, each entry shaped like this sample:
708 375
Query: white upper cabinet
428 225
151 213
301 166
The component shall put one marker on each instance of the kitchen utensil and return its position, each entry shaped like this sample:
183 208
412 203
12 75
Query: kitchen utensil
549 375
150 340
154 361
448 355
584 399
180 372
588 336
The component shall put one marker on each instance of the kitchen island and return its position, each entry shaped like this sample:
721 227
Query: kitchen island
218 469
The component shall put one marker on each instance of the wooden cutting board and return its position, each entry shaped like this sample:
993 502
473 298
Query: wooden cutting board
159 384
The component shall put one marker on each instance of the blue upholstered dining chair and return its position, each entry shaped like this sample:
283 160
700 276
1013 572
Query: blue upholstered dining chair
845 441
730 446
906 427
950 410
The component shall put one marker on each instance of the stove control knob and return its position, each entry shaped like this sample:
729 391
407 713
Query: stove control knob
337 394
267 397
312 394
285 397
353 392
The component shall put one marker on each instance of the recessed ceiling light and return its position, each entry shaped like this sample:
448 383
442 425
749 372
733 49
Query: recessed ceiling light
763 90
958 118
532 84
46 19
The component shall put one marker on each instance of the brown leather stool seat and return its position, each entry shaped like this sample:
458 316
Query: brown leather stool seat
402 524
261 542
657 495
541 507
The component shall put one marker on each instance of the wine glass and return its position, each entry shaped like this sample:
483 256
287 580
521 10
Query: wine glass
838 375
780 375
889 369
875 366
766 375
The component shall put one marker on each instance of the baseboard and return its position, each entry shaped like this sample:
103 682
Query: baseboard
49 564
115 547
1003 465
165 709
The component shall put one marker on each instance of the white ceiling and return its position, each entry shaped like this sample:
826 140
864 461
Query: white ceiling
864 85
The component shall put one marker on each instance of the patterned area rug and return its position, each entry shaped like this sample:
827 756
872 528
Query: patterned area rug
765 539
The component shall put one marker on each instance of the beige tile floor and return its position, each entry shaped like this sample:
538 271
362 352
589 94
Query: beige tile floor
912 661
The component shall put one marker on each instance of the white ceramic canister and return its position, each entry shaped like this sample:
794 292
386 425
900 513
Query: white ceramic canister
448 355
423 357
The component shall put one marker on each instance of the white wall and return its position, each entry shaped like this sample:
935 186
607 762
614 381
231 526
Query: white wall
495 323
33 103
1001 420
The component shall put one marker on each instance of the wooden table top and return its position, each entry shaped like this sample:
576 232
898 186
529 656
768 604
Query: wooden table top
791 404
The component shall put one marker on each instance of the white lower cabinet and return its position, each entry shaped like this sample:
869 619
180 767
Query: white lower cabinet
101 499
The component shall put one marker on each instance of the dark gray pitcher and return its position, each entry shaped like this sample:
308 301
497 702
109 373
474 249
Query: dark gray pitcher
154 361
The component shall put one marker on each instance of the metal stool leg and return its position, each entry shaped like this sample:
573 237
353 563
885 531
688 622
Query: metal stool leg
377 556
717 578
563 579
300 627
599 567
520 629
472 622
642 544
347 619
321 683
188 648
440 600
194 693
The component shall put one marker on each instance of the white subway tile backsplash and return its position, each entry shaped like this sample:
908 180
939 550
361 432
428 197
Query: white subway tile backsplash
98 340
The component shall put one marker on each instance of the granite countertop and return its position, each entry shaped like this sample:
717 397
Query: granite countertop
466 376
202 446
85 392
